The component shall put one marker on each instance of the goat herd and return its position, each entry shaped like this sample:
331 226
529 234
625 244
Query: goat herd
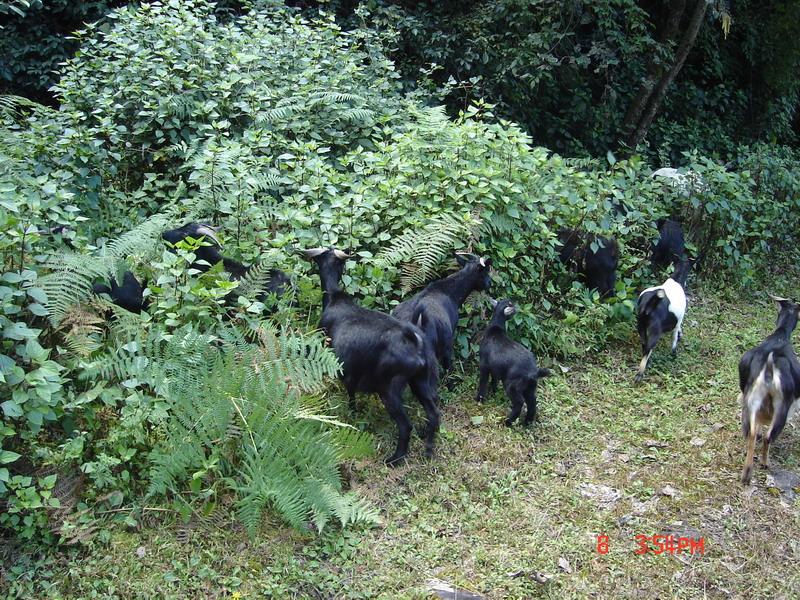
382 353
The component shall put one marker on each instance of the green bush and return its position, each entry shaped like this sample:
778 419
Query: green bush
287 133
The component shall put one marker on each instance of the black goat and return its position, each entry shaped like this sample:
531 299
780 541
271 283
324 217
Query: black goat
670 245
379 353
440 301
769 379
209 254
597 267
129 295
503 359
660 309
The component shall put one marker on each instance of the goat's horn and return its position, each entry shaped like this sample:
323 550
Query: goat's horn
210 233
340 254
778 298
312 252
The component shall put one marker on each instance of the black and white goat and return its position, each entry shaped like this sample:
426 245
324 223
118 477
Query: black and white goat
661 309
129 295
505 360
210 253
769 379
671 245
379 353
441 300
593 256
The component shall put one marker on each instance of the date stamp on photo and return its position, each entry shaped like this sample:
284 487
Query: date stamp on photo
658 544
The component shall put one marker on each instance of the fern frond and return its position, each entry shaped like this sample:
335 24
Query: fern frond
421 249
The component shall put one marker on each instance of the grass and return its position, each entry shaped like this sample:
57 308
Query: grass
511 513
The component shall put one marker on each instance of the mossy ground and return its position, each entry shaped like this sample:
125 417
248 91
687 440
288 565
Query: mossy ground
507 512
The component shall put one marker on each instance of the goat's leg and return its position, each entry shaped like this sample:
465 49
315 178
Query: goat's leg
517 397
392 399
676 337
428 397
482 383
643 365
492 385
778 423
530 401
747 471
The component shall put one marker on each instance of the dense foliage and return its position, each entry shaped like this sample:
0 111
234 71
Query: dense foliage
285 133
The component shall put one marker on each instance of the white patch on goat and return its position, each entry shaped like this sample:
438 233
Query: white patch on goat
760 392
675 296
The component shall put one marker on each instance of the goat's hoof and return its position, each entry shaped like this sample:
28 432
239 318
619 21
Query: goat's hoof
747 475
638 379
479 399
428 453
509 422
395 460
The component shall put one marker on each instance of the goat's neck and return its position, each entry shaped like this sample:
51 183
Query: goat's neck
787 321
498 322
460 285
234 267
331 288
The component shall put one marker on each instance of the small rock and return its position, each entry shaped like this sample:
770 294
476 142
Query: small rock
696 441
670 491
564 565
714 427
564 369
446 591
606 455
624 457
515 574
603 495
561 469
655 444
141 551
541 577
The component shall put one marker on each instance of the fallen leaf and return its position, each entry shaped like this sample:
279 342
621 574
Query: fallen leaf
696 441
477 420
515 574
564 565
564 369
624 457
141 551
603 495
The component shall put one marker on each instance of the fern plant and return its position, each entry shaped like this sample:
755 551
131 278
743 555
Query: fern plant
253 409
420 250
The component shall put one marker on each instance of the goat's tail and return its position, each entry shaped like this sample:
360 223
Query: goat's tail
543 373
768 370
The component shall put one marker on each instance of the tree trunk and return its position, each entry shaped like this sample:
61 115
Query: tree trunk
653 87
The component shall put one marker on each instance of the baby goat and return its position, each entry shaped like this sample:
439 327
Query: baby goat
503 359
129 295
661 309
379 354
597 267
441 300
769 378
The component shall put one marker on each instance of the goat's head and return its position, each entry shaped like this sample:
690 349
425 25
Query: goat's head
480 266
329 260
194 231
788 313
503 309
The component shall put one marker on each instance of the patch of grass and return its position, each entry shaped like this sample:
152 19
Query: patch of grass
499 510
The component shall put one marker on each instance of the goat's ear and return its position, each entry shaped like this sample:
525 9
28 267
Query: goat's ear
493 301
509 310
340 254
312 253
485 261
462 258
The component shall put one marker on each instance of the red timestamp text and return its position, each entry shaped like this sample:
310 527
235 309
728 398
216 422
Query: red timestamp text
658 544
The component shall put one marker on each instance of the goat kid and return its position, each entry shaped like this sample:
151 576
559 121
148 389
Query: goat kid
769 380
379 353
597 267
503 359
661 309
440 301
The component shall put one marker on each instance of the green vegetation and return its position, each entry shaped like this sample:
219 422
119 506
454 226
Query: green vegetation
204 417
497 505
